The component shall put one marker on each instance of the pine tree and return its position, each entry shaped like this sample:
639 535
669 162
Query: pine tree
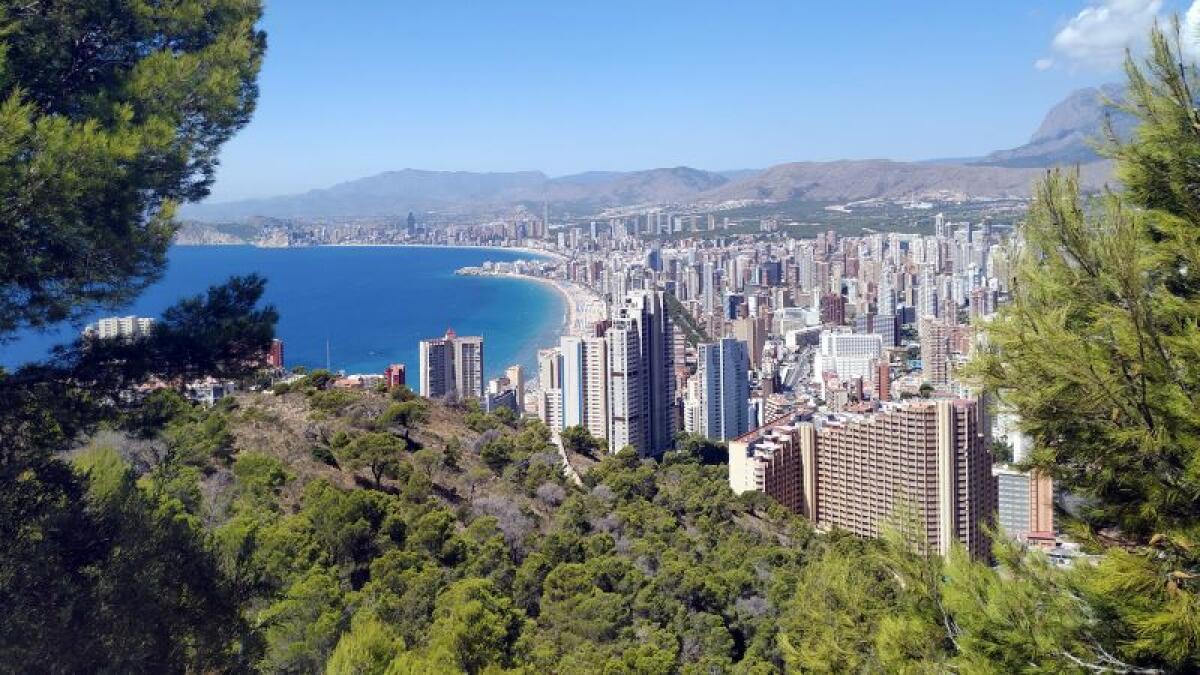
1099 355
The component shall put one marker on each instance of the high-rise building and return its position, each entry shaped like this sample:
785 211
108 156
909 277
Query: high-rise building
846 354
516 379
935 350
833 309
641 375
921 464
752 332
1026 503
585 383
452 364
883 380
724 389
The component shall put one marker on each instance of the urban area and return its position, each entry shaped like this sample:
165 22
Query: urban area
830 367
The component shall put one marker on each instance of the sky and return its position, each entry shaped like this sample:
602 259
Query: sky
351 89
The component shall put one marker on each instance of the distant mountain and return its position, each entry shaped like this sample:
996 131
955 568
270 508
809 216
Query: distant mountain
398 192
1062 139
386 194
1066 134
654 186
871 179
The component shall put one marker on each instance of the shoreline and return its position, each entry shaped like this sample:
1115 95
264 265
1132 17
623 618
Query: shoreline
518 249
583 305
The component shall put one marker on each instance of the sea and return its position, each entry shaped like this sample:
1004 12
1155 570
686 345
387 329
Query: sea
370 305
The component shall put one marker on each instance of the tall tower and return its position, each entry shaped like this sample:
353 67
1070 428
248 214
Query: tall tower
452 363
724 389
935 351
641 375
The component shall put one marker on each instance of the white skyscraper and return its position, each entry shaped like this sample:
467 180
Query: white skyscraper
550 394
452 363
585 383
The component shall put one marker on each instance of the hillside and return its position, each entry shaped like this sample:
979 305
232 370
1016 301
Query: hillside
472 550
396 193
870 179
310 529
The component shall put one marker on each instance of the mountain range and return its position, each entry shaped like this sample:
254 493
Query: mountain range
1066 137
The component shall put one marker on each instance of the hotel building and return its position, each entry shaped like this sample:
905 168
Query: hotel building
452 363
861 472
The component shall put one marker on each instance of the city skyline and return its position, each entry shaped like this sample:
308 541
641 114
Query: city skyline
715 87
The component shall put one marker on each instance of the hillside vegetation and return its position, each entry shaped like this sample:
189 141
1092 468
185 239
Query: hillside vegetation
471 552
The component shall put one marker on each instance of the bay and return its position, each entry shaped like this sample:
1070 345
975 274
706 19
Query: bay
373 304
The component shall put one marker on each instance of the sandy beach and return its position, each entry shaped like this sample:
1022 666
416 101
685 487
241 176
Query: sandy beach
584 306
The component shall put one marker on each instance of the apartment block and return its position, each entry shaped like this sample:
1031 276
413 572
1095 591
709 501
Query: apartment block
452 364
641 383
925 461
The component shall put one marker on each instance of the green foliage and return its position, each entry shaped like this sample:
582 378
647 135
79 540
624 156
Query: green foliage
366 649
692 331
157 410
319 379
378 452
324 455
302 628
115 568
200 438
332 401
402 393
479 421
579 440
101 143
475 628
452 454
696 447
1098 355
496 451
406 415
260 475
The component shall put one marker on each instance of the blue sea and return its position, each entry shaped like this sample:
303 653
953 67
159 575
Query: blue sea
372 304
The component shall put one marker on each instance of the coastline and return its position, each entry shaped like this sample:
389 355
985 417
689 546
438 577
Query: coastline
584 307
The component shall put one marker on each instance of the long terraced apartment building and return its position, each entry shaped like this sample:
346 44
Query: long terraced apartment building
858 472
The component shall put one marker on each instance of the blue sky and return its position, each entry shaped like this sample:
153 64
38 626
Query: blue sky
354 88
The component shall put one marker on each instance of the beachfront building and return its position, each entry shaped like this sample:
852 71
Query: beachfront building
394 376
452 364
585 376
122 327
922 464
641 375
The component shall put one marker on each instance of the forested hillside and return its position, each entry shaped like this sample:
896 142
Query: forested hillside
470 552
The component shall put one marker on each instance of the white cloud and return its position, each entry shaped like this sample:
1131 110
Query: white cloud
1047 63
1190 38
1097 36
